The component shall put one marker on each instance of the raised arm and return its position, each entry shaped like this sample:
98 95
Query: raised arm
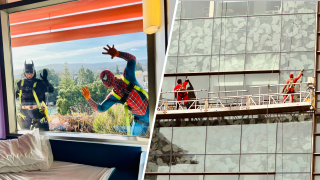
105 105
297 78
131 60
44 76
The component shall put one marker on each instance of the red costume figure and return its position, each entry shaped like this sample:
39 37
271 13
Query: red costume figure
289 87
182 95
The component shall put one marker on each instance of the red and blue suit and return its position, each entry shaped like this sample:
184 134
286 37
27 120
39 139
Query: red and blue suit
136 100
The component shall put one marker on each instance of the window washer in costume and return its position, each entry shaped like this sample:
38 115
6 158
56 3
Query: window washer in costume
127 91
289 86
31 94
182 95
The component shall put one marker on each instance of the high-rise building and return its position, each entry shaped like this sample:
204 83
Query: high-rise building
223 47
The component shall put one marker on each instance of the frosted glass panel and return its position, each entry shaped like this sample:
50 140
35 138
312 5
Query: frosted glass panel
263 34
194 64
196 37
173 51
171 66
262 61
231 37
298 32
222 163
297 61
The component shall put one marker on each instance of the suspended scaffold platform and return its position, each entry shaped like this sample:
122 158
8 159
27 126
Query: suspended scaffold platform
261 103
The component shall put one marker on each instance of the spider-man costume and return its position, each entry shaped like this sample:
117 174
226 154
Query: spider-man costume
290 88
181 95
136 100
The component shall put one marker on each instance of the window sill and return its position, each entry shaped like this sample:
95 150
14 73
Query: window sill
93 138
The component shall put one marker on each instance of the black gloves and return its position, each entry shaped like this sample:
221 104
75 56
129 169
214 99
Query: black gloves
44 75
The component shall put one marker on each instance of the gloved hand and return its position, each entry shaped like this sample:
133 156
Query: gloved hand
187 80
86 93
44 75
111 51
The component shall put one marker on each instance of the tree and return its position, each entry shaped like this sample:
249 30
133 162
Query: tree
66 78
72 96
85 76
139 67
117 70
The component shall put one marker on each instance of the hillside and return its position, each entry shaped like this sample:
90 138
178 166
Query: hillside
96 68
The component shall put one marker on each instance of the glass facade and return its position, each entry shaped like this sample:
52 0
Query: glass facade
255 143
225 46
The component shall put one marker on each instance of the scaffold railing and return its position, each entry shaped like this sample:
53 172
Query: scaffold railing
240 101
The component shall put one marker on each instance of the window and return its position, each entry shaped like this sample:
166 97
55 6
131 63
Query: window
68 42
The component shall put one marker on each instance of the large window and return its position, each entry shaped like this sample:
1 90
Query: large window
255 143
67 41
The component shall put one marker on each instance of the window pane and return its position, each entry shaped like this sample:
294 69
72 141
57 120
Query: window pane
256 177
317 164
294 134
187 163
161 138
261 79
232 8
223 136
318 120
171 66
196 9
156 177
231 37
168 84
257 163
182 136
257 136
299 176
288 163
173 51
264 7
221 177
262 61
197 83
263 34
232 62
317 144
196 37
226 83
222 163
178 10
291 7
298 32
194 64
158 164
297 61
186 177
215 60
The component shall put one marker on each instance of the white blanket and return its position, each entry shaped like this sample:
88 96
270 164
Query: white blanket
29 152
63 171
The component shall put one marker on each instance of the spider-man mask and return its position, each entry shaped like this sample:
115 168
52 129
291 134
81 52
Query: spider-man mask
107 78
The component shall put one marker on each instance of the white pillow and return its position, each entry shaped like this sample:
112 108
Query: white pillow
29 152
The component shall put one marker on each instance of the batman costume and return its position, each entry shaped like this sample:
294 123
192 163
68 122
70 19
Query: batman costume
31 93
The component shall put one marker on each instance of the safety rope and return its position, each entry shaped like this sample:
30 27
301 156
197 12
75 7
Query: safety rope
126 106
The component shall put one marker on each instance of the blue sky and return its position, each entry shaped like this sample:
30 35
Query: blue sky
80 51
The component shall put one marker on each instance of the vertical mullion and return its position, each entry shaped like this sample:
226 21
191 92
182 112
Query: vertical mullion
314 124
